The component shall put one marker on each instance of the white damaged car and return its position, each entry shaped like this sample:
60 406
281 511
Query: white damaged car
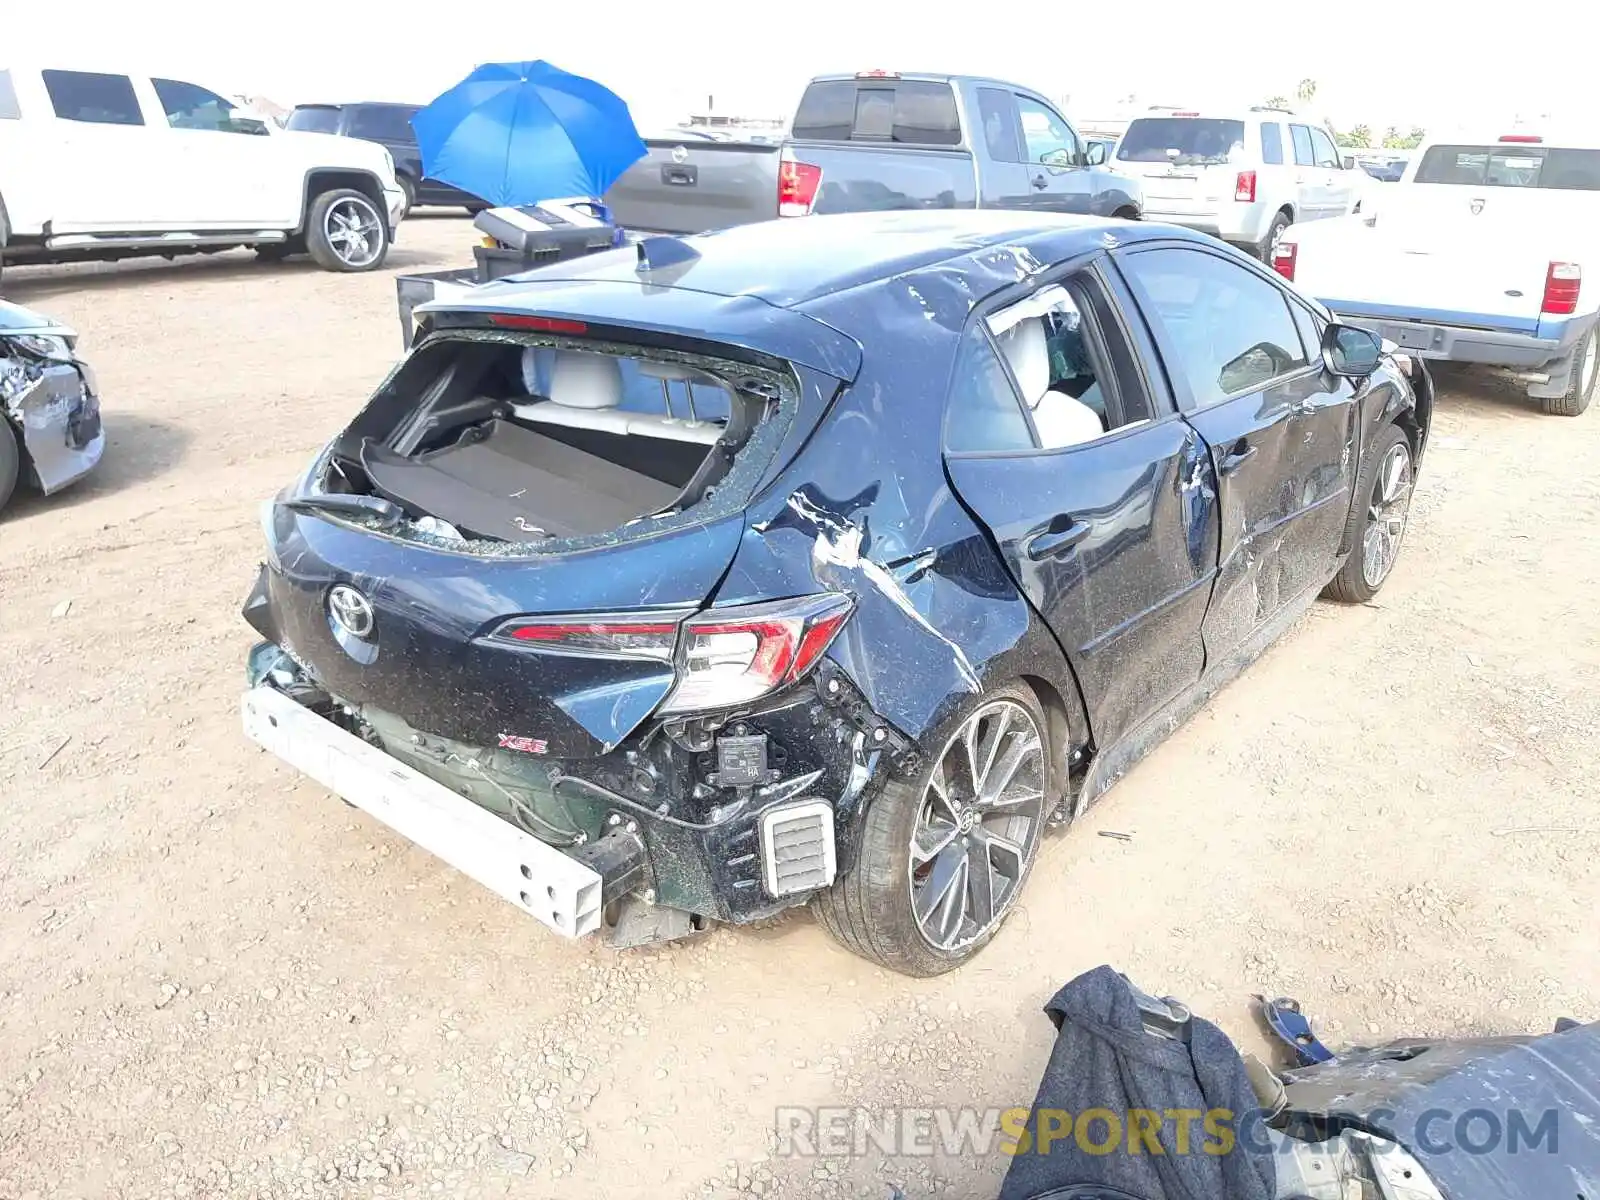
50 432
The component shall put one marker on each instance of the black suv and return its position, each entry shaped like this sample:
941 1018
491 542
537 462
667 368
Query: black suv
390 126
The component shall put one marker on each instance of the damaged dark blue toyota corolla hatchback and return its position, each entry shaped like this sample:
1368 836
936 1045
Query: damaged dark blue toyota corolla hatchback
822 561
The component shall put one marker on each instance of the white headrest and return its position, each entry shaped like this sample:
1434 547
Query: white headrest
582 380
1028 352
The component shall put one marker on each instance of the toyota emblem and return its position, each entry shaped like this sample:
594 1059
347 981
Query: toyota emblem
350 611
680 154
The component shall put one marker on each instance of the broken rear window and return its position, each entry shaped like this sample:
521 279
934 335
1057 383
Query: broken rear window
527 439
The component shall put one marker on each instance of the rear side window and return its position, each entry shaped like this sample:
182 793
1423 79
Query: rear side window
1512 166
9 109
314 118
912 111
92 97
1271 143
997 111
984 412
383 124
1186 141
1303 155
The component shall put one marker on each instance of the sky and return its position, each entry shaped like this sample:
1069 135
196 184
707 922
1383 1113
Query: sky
1407 62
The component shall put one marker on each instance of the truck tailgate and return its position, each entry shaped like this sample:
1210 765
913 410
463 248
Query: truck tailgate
693 186
1440 271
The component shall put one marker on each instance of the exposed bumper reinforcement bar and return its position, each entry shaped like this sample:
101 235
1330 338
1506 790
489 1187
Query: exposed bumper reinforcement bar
563 893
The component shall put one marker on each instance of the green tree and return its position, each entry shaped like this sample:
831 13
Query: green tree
1276 102
1359 138
1393 139
1307 91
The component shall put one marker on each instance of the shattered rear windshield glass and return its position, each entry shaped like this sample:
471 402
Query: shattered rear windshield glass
1512 165
1182 140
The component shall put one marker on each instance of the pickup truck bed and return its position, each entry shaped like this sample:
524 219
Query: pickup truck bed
879 142
1477 255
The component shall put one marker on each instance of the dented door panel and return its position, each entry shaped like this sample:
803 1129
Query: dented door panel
1115 544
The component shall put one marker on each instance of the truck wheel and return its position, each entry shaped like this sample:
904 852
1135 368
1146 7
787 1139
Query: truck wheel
10 463
1585 378
1280 222
943 856
345 232
1377 520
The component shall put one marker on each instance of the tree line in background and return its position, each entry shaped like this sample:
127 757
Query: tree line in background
1358 137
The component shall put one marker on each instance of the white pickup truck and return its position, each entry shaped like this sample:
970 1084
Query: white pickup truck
99 165
1478 254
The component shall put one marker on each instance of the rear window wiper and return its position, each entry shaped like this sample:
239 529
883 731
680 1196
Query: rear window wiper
386 514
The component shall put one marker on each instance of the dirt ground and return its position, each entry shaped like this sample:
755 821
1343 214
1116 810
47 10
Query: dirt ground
216 980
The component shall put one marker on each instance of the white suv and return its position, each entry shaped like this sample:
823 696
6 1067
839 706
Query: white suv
1242 178
101 166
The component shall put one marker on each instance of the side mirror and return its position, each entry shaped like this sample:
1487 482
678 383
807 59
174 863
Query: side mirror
1059 160
1096 154
248 125
1351 352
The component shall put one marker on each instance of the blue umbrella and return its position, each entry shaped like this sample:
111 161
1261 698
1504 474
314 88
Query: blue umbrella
519 133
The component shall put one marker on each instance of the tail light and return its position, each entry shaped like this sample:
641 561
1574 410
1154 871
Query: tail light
1527 139
624 635
1244 186
1562 282
736 655
798 183
1283 259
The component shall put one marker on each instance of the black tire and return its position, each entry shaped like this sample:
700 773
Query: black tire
10 463
1280 222
272 252
869 909
410 190
1355 584
1581 390
333 208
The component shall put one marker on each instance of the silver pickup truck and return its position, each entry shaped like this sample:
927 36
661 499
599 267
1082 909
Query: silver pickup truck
879 141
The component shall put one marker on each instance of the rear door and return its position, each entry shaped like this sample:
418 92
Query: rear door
1244 359
1334 181
108 167
1112 537
1007 177
1310 189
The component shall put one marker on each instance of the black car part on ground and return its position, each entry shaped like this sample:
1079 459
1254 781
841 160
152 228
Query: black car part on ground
1141 1099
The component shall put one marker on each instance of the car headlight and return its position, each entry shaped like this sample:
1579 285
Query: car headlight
45 345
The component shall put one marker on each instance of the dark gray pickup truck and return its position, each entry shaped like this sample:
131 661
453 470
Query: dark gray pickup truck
880 141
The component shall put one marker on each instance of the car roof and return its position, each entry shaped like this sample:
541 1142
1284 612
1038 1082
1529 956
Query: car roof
1558 138
788 263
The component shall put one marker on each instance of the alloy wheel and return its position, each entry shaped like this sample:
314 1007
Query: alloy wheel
1387 510
978 825
354 231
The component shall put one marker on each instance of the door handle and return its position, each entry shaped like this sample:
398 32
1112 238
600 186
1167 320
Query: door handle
1040 182
1235 458
1056 538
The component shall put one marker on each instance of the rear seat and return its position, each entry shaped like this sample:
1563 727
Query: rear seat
586 393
